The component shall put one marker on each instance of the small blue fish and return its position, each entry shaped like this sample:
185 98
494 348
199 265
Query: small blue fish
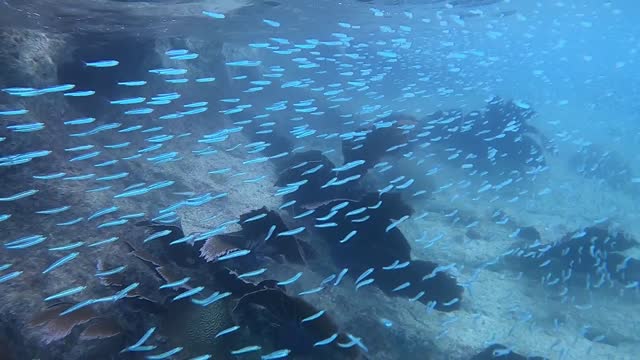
190 56
349 236
364 275
176 283
85 156
417 297
278 354
227 331
113 223
176 52
80 93
113 271
291 280
105 241
113 177
271 23
188 293
213 15
64 293
165 355
401 287
10 276
141 341
74 245
234 255
311 291
25 242
132 83
313 317
244 63
78 306
364 283
211 299
123 293
396 223
340 276
102 63
25 128
157 235
19 196
252 273
246 349
254 218
57 88
80 148
60 262
54 211
102 212
326 341
140 111
13 112
128 101
50 176
292 232
202 357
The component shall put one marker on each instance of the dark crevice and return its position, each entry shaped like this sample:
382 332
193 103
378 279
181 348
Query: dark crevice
104 81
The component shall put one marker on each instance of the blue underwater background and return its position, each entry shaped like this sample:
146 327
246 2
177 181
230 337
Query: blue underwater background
258 179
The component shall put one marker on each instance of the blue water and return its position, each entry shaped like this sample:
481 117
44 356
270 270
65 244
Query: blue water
319 179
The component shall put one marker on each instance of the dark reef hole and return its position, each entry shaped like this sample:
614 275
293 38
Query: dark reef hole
136 56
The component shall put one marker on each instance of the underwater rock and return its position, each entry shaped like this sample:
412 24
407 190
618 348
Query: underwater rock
53 326
183 253
382 139
372 245
529 233
364 237
498 351
272 314
291 248
438 287
307 173
259 234
497 138
30 55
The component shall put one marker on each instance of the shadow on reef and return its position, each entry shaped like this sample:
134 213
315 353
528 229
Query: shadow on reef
593 251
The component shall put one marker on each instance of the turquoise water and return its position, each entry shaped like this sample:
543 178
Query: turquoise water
248 179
